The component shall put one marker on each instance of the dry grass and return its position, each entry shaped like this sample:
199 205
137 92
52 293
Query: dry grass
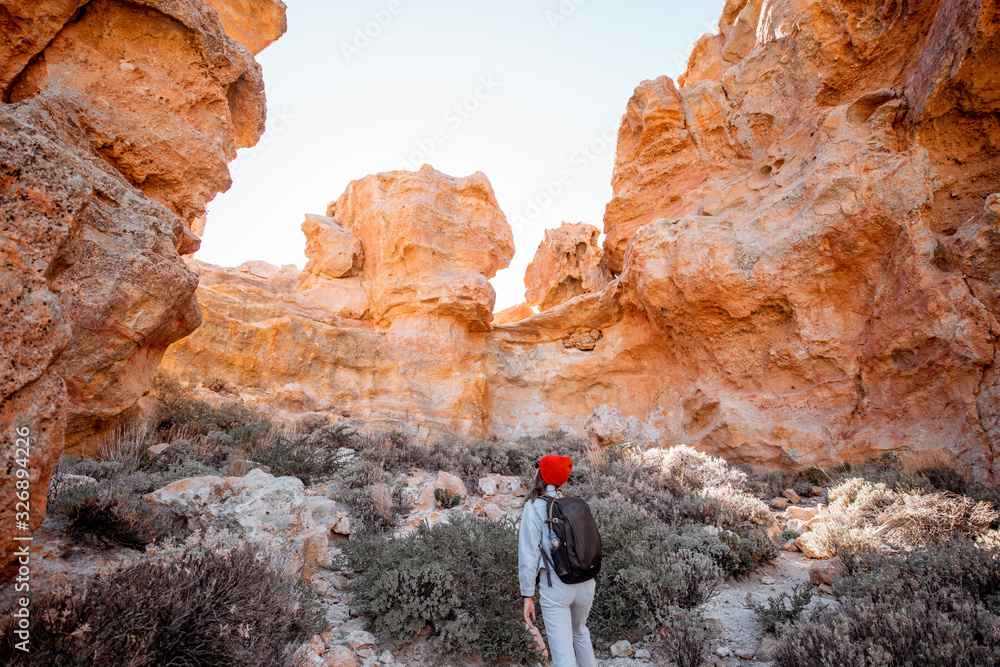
864 514
382 501
128 445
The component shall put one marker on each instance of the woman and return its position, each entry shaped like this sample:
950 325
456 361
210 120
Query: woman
565 607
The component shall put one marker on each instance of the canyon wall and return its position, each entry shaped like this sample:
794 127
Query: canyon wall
800 263
117 122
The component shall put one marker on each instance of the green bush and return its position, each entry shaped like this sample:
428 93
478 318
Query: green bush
686 637
935 604
460 579
375 509
749 551
941 628
783 608
210 609
647 569
944 479
304 456
447 500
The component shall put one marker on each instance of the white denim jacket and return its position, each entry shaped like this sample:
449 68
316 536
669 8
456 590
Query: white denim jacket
529 555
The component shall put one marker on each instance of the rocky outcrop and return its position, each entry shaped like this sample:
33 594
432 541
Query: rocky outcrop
432 242
798 266
257 507
566 264
117 121
253 23
365 345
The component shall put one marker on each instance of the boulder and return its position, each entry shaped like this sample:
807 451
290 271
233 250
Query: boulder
431 243
828 572
332 251
607 427
812 545
259 507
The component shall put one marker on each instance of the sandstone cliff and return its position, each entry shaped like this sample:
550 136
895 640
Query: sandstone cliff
117 121
799 265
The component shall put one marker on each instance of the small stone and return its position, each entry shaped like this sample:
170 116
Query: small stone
365 652
818 491
321 587
621 649
767 581
714 623
790 546
802 513
827 573
778 503
712 530
126 67
360 639
812 546
156 450
745 652
643 654
339 656
723 651
792 496
766 649
386 658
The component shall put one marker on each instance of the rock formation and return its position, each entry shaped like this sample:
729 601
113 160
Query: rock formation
117 121
567 264
799 265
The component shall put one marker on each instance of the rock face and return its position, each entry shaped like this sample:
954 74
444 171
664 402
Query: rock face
799 265
117 123
567 264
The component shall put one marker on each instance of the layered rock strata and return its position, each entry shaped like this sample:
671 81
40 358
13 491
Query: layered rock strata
117 121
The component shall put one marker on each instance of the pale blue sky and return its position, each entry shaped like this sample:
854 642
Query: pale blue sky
540 87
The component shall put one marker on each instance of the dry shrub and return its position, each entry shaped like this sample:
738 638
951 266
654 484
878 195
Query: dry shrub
209 608
935 517
863 514
128 445
686 469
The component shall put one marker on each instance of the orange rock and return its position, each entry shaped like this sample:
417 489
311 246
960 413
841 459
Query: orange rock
516 313
254 23
804 244
115 130
332 251
566 264
431 243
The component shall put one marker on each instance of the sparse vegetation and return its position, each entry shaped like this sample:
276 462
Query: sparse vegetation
783 608
445 499
459 579
211 608
922 583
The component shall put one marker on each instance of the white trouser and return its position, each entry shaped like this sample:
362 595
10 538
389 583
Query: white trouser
565 608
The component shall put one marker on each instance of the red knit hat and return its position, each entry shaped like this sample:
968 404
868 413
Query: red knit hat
555 470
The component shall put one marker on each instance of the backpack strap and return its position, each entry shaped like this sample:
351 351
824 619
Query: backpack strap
549 566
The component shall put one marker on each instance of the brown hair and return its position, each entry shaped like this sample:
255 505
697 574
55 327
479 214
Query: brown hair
538 486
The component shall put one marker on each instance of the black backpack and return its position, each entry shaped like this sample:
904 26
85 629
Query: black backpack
577 557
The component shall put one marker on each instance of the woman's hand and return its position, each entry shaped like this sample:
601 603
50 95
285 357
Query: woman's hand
529 611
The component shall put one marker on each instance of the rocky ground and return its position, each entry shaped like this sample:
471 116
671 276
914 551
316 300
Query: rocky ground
739 637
